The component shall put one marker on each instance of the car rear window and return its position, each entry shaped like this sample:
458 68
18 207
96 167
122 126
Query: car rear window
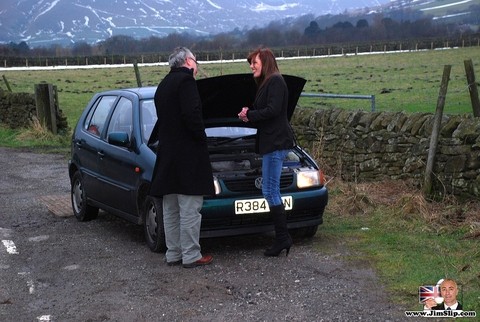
97 116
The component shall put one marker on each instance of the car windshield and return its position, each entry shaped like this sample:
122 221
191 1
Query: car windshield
229 132
223 135
148 116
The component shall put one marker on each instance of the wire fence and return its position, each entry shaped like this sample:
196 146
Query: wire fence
312 51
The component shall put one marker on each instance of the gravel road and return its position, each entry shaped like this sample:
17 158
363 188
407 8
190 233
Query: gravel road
54 268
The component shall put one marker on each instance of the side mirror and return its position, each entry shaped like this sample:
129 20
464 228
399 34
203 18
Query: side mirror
119 139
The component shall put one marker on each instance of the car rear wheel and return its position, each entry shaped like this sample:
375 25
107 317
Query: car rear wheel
81 209
153 224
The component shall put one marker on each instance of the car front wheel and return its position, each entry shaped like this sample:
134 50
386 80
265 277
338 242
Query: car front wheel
81 209
153 224
305 232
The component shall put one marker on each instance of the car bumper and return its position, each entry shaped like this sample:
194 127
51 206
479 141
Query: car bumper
219 218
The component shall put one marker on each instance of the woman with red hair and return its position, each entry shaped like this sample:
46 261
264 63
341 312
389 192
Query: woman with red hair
274 137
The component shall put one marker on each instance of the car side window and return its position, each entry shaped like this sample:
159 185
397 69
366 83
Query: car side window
97 116
149 118
121 120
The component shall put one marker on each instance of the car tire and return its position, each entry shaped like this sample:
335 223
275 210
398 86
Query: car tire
81 209
153 224
305 232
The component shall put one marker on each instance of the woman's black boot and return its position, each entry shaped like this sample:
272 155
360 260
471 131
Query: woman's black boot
282 237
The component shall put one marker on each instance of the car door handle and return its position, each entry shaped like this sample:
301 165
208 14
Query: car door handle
78 143
101 154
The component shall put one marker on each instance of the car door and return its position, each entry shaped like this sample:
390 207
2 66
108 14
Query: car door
87 142
117 163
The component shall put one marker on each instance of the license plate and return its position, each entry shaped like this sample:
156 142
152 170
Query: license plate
252 206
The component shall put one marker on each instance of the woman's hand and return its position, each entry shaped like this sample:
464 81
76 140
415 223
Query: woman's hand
243 114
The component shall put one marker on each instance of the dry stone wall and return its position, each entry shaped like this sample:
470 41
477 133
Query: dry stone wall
370 146
18 110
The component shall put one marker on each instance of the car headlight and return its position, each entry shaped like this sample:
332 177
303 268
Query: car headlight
216 184
309 178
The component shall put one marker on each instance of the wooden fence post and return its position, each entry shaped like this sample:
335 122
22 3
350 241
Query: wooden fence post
45 100
472 87
427 187
137 74
7 83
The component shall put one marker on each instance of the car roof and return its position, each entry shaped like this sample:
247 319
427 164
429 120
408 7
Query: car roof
141 92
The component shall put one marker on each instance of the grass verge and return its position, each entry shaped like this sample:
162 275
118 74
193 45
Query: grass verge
408 240
34 138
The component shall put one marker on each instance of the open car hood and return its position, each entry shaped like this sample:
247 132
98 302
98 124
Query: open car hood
224 96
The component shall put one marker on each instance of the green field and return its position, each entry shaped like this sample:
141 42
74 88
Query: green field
408 81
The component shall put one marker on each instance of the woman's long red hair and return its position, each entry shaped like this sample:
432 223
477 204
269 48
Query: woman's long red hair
269 64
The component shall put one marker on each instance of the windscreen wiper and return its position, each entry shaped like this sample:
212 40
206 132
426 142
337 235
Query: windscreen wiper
221 141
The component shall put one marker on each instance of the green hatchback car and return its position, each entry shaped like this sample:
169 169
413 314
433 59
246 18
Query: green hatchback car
112 162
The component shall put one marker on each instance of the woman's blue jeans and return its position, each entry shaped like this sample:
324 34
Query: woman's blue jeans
272 164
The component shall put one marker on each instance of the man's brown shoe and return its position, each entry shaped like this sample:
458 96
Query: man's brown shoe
205 260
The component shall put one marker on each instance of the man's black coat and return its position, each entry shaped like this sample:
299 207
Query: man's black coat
442 307
183 164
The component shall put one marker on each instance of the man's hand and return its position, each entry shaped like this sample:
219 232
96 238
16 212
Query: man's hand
429 303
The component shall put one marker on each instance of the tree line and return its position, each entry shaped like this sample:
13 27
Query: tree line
292 32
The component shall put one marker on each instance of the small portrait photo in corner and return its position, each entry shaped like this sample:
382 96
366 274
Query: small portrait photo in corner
442 296
441 300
